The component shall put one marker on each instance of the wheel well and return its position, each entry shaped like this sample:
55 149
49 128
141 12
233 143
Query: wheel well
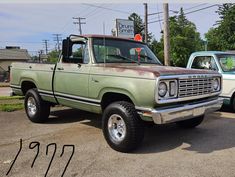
110 97
26 85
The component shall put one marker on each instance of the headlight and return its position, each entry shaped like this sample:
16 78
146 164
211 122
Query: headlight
173 88
162 89
167 89
215 84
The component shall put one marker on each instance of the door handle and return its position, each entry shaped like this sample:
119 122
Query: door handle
60 68
94 80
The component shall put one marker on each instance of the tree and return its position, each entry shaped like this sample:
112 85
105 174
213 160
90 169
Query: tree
139 26
53 56
222 37
138 23
184 40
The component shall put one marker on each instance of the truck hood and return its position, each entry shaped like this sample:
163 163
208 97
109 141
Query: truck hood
151 70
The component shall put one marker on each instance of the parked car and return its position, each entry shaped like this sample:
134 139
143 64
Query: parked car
123 80
222 62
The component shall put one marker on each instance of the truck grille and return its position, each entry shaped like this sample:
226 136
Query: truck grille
194 87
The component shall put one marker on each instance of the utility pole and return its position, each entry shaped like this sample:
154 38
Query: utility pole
46 45
146 23
79 23
166 35
57 38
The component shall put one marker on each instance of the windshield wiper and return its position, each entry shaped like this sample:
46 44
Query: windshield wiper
122 57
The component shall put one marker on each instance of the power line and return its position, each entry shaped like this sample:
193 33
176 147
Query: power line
80 23
46 45
193 7
188 12
106 8
57 39
201 9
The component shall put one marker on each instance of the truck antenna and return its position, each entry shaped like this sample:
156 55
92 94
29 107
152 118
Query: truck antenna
104 43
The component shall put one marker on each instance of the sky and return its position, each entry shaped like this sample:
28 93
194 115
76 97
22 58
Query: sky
27 25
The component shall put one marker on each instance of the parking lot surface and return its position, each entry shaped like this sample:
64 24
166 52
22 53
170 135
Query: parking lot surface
5 91
206 151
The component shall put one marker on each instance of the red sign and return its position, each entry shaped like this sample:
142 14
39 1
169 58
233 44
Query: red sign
138 37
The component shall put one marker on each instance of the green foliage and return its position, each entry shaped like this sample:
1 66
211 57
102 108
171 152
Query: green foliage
138 23
10 97
184 39
230 63
157 48
11 107
53 56
222 37
9 104
139 26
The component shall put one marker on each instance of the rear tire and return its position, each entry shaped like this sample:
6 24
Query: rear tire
190 123
122 126
36 109
233 104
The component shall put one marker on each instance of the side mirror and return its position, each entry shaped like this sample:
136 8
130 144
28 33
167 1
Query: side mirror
67 48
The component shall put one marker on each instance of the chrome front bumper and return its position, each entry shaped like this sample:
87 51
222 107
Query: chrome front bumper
187 111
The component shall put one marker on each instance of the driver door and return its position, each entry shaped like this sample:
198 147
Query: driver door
71 78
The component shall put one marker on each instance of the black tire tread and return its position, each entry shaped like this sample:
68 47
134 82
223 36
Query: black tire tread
42 106
135 125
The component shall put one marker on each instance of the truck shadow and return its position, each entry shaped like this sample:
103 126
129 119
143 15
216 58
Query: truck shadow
214 134
74 115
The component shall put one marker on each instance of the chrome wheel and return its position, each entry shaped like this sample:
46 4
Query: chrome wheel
116 128
31 106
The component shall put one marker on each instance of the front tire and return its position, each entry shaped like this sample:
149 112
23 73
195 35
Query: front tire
122 126
190 123
36 109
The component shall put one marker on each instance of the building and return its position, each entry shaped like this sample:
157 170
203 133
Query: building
7 56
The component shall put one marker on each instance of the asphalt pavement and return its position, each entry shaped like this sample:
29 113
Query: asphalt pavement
167 151
5 91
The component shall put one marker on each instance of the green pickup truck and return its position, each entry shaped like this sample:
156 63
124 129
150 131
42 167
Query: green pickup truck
122 80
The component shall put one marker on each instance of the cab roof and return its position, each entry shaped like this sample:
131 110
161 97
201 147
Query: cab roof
212 52
105 36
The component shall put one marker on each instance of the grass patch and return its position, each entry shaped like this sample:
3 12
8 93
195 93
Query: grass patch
11 107
4 84
11 103
10 97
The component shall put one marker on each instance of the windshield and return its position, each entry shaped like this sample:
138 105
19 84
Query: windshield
121 51
227 62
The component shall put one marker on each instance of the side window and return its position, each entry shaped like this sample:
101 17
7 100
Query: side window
107 53
79 54
204 62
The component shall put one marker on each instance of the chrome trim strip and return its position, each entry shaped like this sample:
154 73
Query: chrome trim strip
45 91
15 86
57 94
184 112
143 109
42 94
93 104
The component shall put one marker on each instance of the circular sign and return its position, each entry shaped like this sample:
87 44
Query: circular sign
138 37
